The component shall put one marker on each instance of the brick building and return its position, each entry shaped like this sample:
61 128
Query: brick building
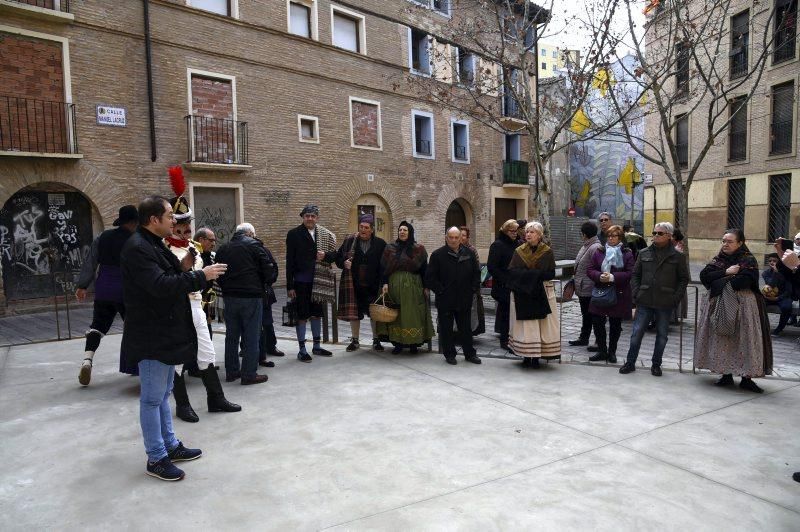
750 178
267 104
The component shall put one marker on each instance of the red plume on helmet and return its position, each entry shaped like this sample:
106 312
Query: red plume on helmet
177 181
180 205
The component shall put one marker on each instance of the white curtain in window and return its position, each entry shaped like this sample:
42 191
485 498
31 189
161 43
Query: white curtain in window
300 17
345 33
215 6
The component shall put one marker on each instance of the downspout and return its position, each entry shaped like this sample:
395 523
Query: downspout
149 62
536 106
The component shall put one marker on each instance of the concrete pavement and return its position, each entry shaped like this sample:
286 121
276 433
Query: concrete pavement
367 441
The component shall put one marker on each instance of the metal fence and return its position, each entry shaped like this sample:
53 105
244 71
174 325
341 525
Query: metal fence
39 126
216 140
57 5
565 236
780 192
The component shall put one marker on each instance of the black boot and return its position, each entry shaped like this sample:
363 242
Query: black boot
183 409
748 384
602 353
612 351
216 397
725 380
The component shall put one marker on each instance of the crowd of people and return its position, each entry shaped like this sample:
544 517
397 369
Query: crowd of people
165 283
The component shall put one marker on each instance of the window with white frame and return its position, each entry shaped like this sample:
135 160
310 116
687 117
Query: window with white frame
302 18
460 136
464 66
512 148
422 134
419 51
308 128
220 7
349 30
544 52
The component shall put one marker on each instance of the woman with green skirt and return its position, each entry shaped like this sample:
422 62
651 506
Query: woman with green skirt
403 270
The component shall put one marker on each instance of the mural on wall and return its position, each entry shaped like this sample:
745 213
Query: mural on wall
43 233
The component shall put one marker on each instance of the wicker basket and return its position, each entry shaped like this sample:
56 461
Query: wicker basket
381 312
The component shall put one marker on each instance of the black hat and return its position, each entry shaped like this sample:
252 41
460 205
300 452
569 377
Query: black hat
181 209
127 213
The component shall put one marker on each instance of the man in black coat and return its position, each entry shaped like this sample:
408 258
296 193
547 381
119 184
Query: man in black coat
269 342
454 276
243 289
159 332
500 253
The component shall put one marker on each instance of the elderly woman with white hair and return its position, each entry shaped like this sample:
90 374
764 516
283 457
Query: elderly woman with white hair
534 330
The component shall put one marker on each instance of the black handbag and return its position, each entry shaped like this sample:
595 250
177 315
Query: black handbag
604 296
290 314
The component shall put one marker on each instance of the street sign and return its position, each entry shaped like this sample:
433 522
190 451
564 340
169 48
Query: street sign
111 116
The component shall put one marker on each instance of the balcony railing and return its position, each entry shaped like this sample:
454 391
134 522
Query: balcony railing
738 63
511 108
515 173
461 152
62 6
37 126
737 142
216 140
423 147
784 47
780 138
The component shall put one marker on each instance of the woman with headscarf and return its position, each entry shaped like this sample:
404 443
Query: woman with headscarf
743 347
534 332
403 270
611 265
478 314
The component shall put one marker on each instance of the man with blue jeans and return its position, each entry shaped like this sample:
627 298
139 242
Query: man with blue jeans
658 284
159 332
243 290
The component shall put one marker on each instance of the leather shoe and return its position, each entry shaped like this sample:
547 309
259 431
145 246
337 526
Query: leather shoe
257 379
627 368
598 357
475 359
320 352
593 349
579 341
352 346
232 376
451 360
748 384
725 380
266 363
655 371
276 353
377 346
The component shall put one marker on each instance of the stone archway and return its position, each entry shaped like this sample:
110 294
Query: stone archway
376 206
379 194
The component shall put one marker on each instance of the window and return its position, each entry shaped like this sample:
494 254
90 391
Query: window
544 66
782 119
780 197
737 132
740 40
681 69
419 46
220 7
544 52
422 133
513 148
303 18
464 63
682 140
785 30
460 136
349 31
308 128
736 189
441 6
555 55
365 124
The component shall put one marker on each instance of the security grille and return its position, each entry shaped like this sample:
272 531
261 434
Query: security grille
779 202
782 118
737 132
682 140
736 189
785 29
740 41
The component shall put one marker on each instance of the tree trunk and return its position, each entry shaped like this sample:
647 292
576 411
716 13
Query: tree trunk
682 213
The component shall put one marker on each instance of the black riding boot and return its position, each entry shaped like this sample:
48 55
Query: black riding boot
216 397
183 409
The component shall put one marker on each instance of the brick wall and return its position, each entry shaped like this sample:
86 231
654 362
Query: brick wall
214 131
212 97
365 124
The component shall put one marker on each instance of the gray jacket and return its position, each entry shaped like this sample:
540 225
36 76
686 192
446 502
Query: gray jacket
583 284
660 283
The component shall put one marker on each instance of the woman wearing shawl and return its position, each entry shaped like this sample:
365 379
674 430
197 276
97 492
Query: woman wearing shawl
403 270
612 264
534 331
748 351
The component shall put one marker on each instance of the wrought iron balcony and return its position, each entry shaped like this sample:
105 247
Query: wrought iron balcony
515 173
62 6
511 108
37 126
216 140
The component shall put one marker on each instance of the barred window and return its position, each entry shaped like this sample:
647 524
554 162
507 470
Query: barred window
682 140
736 191
681 69
782 119
785 30
740 41
780 192
737 132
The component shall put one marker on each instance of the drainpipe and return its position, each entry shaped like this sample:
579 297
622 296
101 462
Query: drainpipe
536 104
148 57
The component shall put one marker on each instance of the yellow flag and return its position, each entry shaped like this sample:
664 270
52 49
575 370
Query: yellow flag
629 176
603 80
580 122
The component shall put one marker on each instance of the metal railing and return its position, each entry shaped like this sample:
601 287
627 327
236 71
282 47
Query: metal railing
780 202
216 140
461 153
515 172
737 145
62 6
39 126
738 64
780 137
423 147
736 202
511 107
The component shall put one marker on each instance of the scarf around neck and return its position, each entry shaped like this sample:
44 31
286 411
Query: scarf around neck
531 255
613 258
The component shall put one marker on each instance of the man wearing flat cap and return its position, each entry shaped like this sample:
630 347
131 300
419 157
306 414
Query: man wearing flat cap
103 268
359 257
306 245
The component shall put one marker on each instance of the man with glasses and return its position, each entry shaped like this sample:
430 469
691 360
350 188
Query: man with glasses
605 221
658 283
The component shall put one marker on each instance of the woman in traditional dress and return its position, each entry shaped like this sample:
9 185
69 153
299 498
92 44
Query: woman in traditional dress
534 331
477 314
611 264
403 267
748 350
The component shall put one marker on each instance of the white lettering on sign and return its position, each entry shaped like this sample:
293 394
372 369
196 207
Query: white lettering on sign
111 116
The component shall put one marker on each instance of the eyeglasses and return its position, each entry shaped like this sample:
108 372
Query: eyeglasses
605 219
659 233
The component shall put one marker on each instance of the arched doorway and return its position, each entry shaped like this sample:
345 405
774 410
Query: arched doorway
44 229
456 215
376 206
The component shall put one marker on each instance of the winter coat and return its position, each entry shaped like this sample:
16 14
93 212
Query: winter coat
500 253
777 280
583 283
250 269
526 280
301 255
622 280
660 283
366 267
454 277
158 319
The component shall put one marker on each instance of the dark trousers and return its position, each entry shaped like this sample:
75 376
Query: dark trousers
242 320
615 329
447 337
785 306
501 320
103 316
586 317
268 342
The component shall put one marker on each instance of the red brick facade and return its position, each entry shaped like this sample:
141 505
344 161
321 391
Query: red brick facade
212 97
214 131
31 68
365 124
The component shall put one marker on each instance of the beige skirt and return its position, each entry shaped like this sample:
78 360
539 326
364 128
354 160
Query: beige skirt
536 338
